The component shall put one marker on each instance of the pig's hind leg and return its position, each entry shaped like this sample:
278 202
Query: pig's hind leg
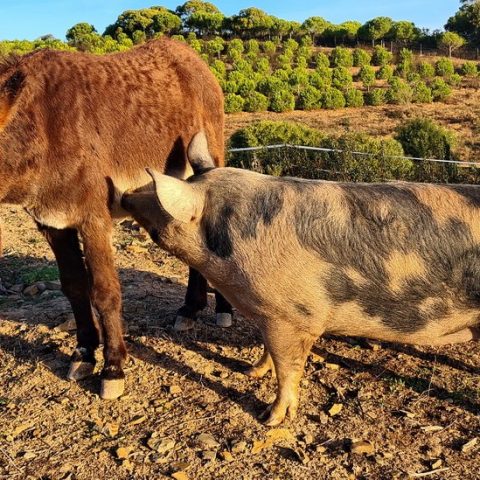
289 348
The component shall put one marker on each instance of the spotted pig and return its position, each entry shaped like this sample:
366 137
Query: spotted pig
398 262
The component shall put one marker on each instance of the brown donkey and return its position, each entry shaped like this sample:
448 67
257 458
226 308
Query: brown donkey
70 124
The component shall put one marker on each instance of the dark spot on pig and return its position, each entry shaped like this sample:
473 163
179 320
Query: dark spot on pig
217 231
303 310
265 205
340 287
471 193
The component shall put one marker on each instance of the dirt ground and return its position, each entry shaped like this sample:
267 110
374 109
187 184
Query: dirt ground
189 412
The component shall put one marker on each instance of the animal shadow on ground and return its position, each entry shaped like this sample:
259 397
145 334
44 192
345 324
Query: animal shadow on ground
149 310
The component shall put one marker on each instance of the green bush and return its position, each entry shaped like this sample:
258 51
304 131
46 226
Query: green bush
309 98
284 61
246 87
444 67
256 102
367 168
440 90
342 78
263 66
321 80
422 138
229 86
381 56
322 61
341 57
332 99
252 46
385 72
283 75
414 77
282 101
268 132
269 85
291 44
235 45
376 97
302 62
233 103
299 77
426 70
400 92
268 47
367 76
422 93
455 80
361 58
469 69
354 98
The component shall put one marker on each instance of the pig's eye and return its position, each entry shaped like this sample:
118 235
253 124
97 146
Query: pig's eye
155 235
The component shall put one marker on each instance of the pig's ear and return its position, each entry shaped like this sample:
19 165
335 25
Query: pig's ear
9 92
198 154
178 198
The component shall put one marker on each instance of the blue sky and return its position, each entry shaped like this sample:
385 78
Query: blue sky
29 19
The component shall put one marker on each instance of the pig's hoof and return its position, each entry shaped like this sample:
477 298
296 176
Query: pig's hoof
271 418
224 320
111 389
183 324
256 372
80 370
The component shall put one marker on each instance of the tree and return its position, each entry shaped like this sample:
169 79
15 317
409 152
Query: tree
376 29
466 22
166 22
315 26
79 35
404 32
252 23
348 31
451 41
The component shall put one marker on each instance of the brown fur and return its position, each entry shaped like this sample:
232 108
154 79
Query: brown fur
71 122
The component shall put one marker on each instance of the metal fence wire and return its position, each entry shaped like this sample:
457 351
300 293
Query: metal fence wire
351 166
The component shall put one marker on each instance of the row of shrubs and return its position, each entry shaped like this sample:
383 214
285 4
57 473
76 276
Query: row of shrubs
254 81
375 159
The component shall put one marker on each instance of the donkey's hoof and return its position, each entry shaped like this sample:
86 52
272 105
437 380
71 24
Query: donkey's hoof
112 389
224 320
80 370
183 324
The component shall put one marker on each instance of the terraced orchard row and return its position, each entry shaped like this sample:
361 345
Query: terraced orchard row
259 76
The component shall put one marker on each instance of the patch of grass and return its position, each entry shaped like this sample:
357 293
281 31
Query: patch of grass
45 274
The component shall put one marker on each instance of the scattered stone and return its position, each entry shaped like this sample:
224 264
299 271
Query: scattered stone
28 456
174 389
31 291
432 428
321 449
317 358
362 447
436 464
137 420
68 325
332 366
227 456
161 445
17 288
112 429
469 445
180 475
208 441
123 452
53 286
209 455
335 409
238 446
323 418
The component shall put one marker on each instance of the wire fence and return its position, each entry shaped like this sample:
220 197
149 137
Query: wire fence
345 165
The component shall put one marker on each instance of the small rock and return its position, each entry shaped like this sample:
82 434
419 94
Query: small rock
362 448
28 456
161 445
436 464
112 429
31 291
180 475
209 455
68 325
206 440
17 288
335 409
238 446
317 358
137 420
332 366
174 389
54 286
323 418
227 456
123 452
469 445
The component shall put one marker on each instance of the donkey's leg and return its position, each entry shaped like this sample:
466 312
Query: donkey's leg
73 276
106 298
223 310
195 301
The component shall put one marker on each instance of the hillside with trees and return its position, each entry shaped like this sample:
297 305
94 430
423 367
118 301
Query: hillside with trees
267 63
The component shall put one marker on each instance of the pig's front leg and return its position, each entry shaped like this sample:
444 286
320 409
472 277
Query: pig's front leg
262 366
289 348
